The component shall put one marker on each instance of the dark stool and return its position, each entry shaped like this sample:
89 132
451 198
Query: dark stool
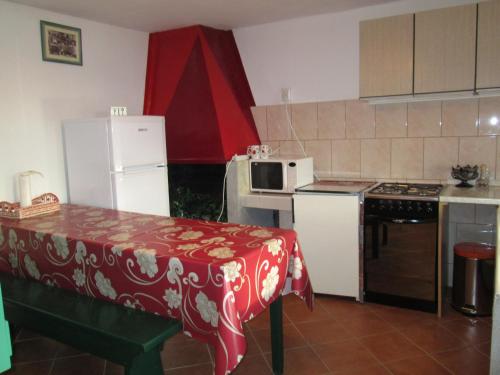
473 277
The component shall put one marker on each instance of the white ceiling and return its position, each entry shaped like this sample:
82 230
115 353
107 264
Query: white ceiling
158 15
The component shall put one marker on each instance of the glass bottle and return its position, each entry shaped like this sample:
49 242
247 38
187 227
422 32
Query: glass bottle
484 176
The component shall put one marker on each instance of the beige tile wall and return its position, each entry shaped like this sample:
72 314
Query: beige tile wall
403 142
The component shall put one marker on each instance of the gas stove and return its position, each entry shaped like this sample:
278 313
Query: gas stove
428 192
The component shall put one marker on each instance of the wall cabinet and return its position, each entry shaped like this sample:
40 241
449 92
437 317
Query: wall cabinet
386 56
445 42
488 45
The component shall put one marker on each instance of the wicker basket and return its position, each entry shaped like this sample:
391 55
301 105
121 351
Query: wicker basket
44 204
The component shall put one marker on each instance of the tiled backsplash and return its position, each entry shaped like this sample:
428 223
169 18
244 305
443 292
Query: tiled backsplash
469 223
403 142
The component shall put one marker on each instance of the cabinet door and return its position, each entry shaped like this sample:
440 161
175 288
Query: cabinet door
386 56
445 41
328 231
488 45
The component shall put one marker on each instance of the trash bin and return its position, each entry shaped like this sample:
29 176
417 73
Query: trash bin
473 278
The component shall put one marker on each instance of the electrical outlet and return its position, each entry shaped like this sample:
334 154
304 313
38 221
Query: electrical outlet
286 95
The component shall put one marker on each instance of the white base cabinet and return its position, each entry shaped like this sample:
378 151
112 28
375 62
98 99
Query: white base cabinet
328 232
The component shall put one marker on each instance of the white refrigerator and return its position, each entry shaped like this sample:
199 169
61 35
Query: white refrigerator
118 162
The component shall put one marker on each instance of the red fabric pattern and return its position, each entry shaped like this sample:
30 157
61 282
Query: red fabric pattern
212 276
176 87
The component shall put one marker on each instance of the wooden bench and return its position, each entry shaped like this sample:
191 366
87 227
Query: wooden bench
131 338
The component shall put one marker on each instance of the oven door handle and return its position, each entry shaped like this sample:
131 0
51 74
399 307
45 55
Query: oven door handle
410 221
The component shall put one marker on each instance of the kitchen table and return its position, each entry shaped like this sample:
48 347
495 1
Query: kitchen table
212 276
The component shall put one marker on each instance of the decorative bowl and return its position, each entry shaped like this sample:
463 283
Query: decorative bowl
464 174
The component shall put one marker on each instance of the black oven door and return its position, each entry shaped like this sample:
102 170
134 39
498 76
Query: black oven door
400 262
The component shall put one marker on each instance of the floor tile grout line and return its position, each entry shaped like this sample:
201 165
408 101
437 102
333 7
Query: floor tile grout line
308 344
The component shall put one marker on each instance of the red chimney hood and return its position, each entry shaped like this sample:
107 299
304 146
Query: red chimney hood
195 79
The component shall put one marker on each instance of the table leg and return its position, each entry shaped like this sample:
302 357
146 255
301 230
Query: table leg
276 311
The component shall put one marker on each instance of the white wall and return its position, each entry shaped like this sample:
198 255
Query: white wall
36 95
316 56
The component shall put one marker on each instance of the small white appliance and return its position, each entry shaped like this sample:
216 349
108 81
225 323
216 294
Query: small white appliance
280 175
329 227
118 162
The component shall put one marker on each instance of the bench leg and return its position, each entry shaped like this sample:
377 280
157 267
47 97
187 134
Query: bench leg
146 364
276 311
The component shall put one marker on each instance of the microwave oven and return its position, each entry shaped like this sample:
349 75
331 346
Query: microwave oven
280 175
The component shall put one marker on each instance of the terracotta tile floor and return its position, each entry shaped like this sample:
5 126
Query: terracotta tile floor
339 337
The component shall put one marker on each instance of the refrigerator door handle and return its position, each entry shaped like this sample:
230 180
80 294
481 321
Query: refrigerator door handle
139 168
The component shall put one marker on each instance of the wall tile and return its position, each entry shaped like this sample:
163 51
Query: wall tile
478 150
424 119
275 145
305 120
360 119
440 154
462 213
321 151
288 148
486 214
460 117
331 120
390 120
278 128
376 158
475 233
260 118
346 158
407 158
489 116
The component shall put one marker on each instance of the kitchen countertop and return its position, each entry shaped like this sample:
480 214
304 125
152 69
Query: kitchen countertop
474 195
337 187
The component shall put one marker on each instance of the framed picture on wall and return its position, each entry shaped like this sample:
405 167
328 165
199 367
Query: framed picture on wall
60 43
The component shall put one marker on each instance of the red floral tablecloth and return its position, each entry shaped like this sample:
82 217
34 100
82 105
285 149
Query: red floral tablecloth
212 276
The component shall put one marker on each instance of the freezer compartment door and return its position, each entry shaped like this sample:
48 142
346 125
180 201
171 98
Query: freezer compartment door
143 191
137 141
328 231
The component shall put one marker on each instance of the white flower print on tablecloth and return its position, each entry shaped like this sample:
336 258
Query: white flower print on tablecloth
120 237
79 277
269 283
166 222
104 285
81 252
207 309
2 238
61 245
274 246
230 229
262 233
213 240
107 223
13 260
39 236
146 258
172 298
295 267
231 270
188 246
190 235
12 239
129 304
221 252
171 229
31 267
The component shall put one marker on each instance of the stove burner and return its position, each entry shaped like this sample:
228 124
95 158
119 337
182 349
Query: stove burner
421 190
